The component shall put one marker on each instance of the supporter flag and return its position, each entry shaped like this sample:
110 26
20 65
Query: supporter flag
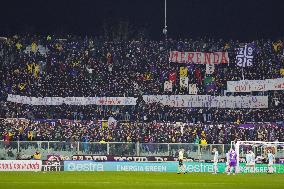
21 86
30 68
75 63
103 124
183 72
210 68
168 86
277 46
36 70
226 46
208 80
173 77
147 76
190 68
112 123
192 89
19 45
209 83
58 46
197 74
282 71
109 58
34 47
183 82
245 55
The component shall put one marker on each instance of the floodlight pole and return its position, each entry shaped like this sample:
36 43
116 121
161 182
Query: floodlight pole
165 26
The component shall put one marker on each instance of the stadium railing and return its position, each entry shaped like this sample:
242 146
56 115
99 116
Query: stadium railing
14 149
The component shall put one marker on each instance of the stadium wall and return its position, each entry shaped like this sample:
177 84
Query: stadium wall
37 165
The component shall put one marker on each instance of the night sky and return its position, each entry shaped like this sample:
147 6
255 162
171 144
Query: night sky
237 19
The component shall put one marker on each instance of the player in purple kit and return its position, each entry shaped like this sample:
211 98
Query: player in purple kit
233 161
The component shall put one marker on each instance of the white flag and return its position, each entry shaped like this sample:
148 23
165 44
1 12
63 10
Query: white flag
210 68
183 82
245 55
192 89
168 86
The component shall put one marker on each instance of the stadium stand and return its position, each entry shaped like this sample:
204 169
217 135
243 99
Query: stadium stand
73 66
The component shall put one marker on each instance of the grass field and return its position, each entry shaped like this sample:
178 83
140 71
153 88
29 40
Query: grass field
136 180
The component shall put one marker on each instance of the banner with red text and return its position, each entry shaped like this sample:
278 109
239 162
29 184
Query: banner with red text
199 57
72 100
20 165
255 85
199 101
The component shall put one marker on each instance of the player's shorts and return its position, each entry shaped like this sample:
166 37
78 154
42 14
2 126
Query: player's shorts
215 163
180 162
233 164
270 163
227 163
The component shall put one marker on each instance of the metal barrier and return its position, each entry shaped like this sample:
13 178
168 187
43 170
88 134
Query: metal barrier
10 150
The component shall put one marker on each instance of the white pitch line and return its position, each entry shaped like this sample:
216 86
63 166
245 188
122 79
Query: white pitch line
99 182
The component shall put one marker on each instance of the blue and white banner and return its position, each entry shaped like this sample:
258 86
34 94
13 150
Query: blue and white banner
72 100
199 101
159 167
244 56
255 85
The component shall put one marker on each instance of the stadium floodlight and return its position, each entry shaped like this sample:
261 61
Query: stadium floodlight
165 26
241 145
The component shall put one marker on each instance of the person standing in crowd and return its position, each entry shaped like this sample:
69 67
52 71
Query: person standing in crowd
36 156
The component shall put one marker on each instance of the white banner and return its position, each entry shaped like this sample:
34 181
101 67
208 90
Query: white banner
168 86
170 100
244 56
210 68
192 89
183 82
20 165
72 100
199 57
41 49
209 101
255 85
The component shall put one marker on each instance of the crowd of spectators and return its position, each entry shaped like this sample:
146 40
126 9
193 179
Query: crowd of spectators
151 132
44 66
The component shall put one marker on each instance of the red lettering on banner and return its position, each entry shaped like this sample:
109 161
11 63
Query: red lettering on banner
190 57
207 58
110 101
224 58
216 58
171 55
279 86
198 61
174 56
101 101
199 57
182 57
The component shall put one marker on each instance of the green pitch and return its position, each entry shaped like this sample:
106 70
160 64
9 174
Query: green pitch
136 180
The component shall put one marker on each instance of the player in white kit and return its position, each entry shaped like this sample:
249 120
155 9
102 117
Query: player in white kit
227 170
181 167
248 161
271 160
215 160
252 161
